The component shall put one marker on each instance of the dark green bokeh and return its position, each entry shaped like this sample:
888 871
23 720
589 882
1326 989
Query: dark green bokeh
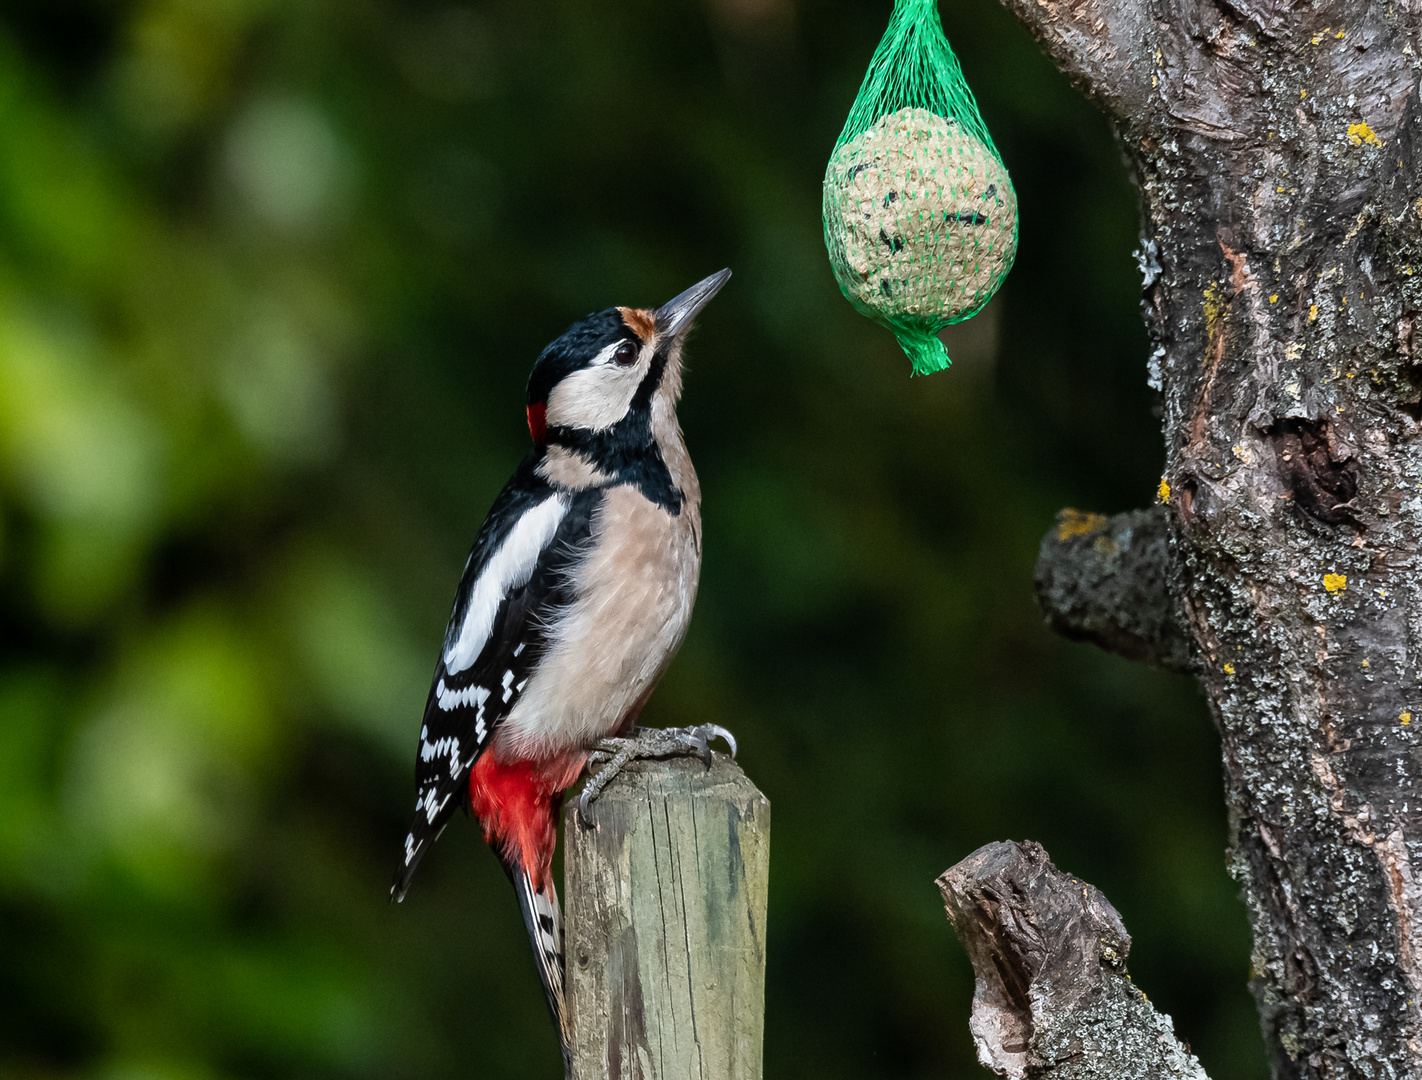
271 279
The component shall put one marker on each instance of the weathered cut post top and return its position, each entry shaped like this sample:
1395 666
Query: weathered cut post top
665 924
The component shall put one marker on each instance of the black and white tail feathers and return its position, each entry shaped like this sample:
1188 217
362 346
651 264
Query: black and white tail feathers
545 930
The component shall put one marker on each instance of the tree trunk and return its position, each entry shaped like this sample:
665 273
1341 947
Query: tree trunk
1276 150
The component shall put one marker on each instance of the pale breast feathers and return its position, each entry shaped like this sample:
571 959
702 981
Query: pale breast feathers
635 591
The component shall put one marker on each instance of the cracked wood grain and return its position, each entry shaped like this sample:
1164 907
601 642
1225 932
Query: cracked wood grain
665 925
1276 149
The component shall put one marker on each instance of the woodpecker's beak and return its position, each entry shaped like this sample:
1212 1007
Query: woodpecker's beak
675 316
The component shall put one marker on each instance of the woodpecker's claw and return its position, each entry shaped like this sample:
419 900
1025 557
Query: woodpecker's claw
614 753
716 731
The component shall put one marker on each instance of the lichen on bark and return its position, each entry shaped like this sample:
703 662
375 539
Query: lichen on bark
1276 149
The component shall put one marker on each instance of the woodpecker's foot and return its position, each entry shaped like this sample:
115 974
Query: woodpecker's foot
612 754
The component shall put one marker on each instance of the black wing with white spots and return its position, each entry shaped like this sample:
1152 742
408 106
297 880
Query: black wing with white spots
515 585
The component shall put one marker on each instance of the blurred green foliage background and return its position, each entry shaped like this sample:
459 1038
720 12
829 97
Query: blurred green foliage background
272 275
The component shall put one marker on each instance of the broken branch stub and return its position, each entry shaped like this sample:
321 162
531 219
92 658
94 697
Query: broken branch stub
1104 580
1053 999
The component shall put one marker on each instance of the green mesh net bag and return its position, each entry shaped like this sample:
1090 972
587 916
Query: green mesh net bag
920 216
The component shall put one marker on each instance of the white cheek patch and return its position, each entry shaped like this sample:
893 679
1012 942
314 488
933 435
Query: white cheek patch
507 569
597 396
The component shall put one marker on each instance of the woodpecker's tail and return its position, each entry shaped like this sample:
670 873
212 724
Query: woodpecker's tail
545 930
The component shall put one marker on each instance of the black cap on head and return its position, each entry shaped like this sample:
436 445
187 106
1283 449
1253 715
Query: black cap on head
575 349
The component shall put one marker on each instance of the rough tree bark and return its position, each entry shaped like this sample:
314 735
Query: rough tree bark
1276 148
1105 580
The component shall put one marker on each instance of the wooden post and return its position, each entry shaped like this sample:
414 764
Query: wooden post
665 924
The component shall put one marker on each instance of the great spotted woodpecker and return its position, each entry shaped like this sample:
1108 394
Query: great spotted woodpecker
574 599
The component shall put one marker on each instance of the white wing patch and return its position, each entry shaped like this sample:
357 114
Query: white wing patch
508 568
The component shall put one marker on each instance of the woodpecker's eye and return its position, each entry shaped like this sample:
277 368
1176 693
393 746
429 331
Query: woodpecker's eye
626 353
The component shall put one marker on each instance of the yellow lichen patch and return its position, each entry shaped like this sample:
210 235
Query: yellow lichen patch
1406 718
1335 583
1273 298
1358 134
1312 312
1303 94
1162 493
1213 307
1077 523
1229 669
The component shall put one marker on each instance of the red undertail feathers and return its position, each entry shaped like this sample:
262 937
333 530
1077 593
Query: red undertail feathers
517 804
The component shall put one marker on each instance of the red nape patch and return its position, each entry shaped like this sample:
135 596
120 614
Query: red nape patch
517 803
537 421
